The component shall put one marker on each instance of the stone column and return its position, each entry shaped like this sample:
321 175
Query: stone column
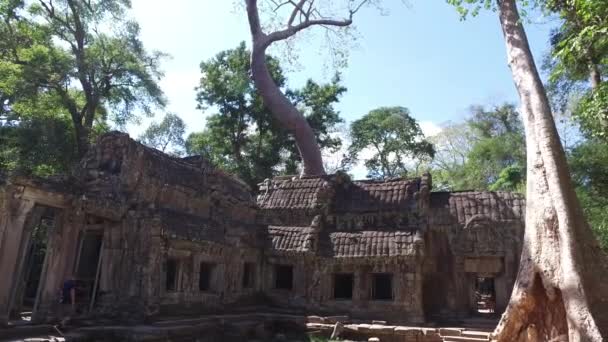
13 221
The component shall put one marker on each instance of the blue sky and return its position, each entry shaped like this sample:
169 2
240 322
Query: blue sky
419 56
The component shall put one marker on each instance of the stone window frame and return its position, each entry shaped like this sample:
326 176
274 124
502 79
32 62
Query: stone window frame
352 289
373 277
177 277
212 268
276 278
248 275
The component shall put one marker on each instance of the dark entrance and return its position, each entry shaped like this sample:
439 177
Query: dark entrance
343 285
382 286
485 295
35 245
87 267
283 277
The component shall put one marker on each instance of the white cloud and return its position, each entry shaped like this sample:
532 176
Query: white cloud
429 128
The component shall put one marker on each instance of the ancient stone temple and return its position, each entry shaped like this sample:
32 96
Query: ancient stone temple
148 235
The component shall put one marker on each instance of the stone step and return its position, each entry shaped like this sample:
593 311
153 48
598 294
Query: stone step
476 334
464 339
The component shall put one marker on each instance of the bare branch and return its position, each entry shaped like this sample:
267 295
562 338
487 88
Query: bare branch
309 9
297 9
290 31
279 5
352 12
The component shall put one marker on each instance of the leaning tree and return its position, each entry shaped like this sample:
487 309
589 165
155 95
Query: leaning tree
561 291
301 15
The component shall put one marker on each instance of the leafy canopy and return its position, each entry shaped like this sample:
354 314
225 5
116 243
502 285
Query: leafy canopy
84 55
486 152
166 136
242 136
392 138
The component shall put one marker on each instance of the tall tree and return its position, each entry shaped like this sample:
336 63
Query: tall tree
93 71
578 63
315 101
166 136
561 289
498 155
393 139
242 136
486 152
302 14
588 163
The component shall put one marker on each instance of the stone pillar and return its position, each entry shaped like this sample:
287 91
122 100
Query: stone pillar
13 221
416 297
503 282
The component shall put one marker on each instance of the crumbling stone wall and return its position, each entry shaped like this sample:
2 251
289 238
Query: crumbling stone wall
323 226
181 237
471 234
149 207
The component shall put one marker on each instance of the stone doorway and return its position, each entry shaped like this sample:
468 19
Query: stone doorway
87 268
485 295
31 270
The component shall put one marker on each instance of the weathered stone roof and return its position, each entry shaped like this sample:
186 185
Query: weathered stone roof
116 155
373 195
459 207
290 239
339 192
293 193
366 244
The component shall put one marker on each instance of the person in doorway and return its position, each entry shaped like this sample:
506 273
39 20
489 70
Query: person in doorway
68 299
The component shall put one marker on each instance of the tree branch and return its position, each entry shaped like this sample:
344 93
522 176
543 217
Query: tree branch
254 19
288 32
352 12
297 9
279 5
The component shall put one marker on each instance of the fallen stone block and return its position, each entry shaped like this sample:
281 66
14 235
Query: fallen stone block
335 319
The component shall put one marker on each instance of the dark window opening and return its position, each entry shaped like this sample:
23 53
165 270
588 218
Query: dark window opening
171 275
343 285
485 295
248 275
284 277
382 286
204 280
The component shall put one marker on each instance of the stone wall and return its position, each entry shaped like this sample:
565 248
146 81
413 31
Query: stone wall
181 237
470 234
148 207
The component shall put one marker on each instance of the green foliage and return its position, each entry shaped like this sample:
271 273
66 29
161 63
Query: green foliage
166 136
242 135
487 152
511 178
578 63
315 102
41 146
581 40
592 113
392 137
588 165
55 49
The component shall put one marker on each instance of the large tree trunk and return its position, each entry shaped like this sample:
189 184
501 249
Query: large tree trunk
287 114
561 291
283 110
